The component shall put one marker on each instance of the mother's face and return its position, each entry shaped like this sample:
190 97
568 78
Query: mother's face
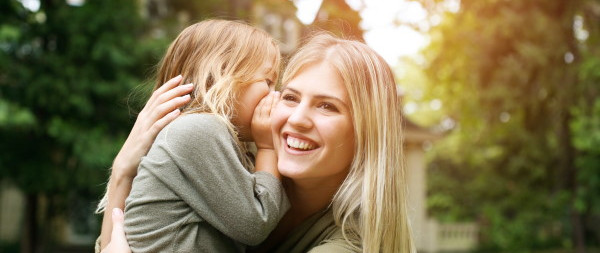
314 135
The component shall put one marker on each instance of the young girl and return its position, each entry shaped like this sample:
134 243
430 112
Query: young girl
193 191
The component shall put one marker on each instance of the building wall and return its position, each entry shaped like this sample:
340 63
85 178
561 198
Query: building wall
416 180
12 203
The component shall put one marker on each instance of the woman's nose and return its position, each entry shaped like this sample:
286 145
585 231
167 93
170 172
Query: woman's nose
300 117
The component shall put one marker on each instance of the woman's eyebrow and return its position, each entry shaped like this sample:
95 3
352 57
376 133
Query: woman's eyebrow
319 96
290 89
333 98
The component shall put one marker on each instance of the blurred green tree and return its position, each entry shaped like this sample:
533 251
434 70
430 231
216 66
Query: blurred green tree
66 73
520 80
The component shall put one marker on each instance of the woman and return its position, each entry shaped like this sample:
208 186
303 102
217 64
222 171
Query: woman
337 136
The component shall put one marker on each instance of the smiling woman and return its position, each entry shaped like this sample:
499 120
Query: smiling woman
339 147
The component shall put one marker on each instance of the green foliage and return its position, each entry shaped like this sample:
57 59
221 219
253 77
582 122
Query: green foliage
523 160
586 139
585 129
66 72
64 110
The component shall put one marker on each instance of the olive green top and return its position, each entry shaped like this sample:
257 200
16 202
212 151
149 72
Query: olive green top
318 234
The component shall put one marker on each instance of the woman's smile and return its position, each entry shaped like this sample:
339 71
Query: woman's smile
298 143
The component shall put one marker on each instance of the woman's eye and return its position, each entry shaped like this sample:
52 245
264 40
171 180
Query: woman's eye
328 107
289 97
269 82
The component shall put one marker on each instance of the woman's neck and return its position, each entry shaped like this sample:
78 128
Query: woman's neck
307 198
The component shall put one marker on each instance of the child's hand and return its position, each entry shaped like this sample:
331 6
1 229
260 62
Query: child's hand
261 121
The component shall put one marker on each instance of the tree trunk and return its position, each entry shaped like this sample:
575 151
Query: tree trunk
568 166
29 232
567 10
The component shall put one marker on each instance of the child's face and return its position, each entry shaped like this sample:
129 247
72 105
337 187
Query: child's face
249 97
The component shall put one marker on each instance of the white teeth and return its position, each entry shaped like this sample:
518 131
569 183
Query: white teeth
298 144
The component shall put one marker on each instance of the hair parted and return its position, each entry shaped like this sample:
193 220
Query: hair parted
370 205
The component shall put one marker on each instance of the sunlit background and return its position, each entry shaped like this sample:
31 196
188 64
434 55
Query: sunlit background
500 98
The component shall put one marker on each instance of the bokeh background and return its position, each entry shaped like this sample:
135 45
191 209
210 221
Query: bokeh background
501 101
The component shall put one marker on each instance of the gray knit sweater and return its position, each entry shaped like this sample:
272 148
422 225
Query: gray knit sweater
192 193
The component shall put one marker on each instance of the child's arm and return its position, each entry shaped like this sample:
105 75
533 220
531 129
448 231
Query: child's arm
211 179
160 109
266 158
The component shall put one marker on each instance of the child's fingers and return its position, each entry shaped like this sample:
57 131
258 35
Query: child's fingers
270 101
259 111
276 98
268 104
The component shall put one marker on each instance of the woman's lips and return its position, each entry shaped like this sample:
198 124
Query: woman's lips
298 143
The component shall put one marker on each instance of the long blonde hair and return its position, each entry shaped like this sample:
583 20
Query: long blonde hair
370 205
219 57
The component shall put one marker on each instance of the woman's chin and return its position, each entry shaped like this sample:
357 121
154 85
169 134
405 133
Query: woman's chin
291 170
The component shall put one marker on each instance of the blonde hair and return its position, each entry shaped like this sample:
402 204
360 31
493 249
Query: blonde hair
370 205
219 57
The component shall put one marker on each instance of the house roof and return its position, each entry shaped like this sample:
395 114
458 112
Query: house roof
416 134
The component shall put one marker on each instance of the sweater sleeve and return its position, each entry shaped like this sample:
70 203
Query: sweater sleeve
211 179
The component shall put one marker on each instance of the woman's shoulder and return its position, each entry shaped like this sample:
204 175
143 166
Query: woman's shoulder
318 233
336 242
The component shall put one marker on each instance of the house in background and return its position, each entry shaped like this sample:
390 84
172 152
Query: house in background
428 234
